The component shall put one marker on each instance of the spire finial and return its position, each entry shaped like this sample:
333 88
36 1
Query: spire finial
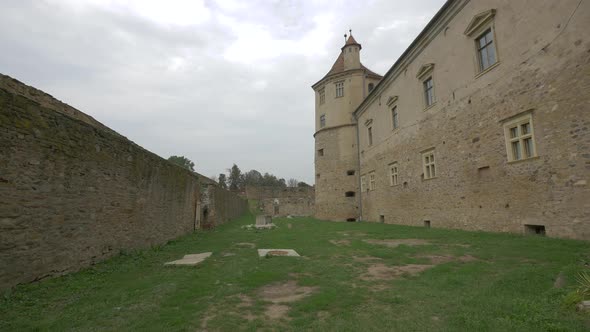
350 30
345 37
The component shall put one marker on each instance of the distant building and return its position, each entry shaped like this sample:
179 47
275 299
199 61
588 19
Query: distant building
482 124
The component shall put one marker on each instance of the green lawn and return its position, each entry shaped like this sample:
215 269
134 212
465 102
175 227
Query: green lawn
453 281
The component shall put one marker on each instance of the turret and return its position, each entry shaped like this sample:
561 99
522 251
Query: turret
351 53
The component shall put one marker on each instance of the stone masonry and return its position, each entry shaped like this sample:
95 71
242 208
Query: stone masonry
74 192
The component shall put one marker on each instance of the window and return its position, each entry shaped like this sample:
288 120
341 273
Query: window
393 179
428 91
322 93
394 117
371 87
486 53
520 142
350 172
321 152
339 89
349 194
370 132
363 183
429 166
372 181
322 120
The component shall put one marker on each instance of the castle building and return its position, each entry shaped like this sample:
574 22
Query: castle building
481 124
338 94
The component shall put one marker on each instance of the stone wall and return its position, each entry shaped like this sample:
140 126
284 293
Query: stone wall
543 71
74 192
283 201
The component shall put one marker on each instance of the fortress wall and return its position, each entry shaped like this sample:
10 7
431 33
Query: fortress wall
73 192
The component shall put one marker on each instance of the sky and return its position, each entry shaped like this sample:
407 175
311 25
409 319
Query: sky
217 81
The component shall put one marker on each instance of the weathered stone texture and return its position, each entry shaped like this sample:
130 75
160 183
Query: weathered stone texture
73 193
476 188
281 202
332 174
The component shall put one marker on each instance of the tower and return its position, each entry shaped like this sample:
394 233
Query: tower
337 95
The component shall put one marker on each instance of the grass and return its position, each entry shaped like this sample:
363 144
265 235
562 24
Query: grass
508 287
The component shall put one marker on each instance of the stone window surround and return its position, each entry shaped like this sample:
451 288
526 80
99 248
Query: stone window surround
394 117
363 182
476 27
339 88
517 121
426 73
372 181
394 174
429 164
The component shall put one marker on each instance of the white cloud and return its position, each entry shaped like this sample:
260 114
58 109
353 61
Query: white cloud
220 82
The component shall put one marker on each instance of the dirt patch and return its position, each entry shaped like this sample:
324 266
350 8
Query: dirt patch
289 226
393 243
344 242
378 287
299 275
285 292
441 259
383 272
245 245
277 311
228 254
467 259
365 259
246 301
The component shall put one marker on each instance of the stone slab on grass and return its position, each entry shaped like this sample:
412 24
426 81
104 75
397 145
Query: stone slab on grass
277 252
262 220
191 259
267 226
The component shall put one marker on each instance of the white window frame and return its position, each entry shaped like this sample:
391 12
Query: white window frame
363 183
429 99
394 117
516 147
322 97
393 174
489 45
339 89
372 182
429 164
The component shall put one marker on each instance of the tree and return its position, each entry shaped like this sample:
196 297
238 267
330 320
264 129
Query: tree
292 183
235 178
252 178
183 161
222 181
303 185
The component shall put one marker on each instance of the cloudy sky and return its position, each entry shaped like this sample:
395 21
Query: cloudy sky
218 81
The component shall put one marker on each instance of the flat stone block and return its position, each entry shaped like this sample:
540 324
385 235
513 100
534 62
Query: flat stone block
271 225
277 252
262 220
191 259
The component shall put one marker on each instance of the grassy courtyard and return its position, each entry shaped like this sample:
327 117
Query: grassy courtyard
352 277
